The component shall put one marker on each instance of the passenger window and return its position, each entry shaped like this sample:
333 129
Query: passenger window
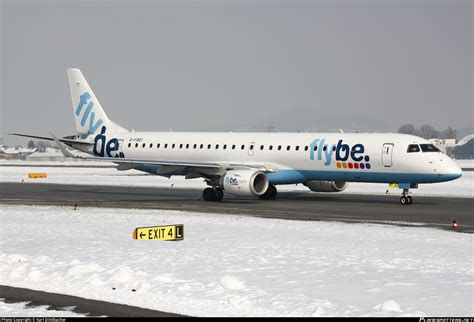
143 145
158 146
166 145
306 148
181 146
233 146
187 146
243 146
201 146
413 148
270 147
195 146
208 146
217 146
325 148
279 147
297 147
251 147
173 146
288 148
151 145
130 144
225 146
261 147
315 148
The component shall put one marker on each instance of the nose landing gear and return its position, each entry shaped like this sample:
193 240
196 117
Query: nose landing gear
406 199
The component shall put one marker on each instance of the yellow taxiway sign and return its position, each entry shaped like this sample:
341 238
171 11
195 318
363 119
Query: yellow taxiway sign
171 232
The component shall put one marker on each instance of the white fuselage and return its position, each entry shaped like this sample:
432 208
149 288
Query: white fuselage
298 157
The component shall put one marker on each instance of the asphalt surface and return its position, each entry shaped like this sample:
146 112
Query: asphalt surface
385 209
81 305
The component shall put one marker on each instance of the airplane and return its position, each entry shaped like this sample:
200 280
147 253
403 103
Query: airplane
253 164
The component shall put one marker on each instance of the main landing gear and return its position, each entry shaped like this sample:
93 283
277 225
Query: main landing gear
213 194
271 193
406 199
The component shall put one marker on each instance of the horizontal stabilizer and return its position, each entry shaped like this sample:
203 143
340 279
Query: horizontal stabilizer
67 141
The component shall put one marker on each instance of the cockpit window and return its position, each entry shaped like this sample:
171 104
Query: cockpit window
413 148
428 148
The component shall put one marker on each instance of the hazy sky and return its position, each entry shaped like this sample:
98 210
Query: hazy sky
239 65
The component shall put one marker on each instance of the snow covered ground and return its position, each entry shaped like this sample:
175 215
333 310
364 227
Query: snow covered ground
462 187
22 309
229 265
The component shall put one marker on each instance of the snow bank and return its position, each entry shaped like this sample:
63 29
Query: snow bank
230 265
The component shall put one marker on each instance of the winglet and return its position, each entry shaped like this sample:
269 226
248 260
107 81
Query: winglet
62 148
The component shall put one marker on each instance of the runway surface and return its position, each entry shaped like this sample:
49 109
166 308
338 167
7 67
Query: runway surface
385 209
81 305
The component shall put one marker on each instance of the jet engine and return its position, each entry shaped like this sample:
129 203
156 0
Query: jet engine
244 182
326 186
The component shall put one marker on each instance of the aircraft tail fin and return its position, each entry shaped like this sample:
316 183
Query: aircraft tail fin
88 113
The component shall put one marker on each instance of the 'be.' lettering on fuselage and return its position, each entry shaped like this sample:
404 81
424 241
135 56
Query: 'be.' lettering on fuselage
341 151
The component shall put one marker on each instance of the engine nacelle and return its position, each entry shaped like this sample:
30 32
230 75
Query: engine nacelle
326 186
244 182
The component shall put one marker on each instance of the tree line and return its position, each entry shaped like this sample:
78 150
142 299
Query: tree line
41 145
428 132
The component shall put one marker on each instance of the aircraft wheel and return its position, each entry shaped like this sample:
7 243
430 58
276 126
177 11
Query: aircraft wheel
208 194
404 200
219 194
271 193
410 200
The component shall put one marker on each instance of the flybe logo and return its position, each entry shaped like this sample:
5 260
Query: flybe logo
232 181
88 113
346 156
104 147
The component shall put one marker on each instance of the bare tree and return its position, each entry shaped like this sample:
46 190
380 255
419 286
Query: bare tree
408 129
428 132
449 133
31 144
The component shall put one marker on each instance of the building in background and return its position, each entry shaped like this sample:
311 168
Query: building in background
464 149
15 153
444 145
50 154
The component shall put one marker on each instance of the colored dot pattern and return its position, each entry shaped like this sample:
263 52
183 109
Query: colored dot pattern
353 165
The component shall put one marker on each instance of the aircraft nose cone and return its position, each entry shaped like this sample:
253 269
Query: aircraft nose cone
456 171
449 169
453 170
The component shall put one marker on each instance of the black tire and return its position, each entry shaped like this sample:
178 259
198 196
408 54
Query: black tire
271 193
219 194
208 194
410 200
404 200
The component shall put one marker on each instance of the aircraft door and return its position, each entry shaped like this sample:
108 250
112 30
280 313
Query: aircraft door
251 148
387 151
